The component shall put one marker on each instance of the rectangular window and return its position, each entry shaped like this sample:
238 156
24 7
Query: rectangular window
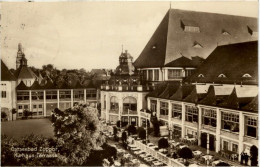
65 94
22 95
3 94
34 106
177 111
91 94
20 107
235 148
230 121
150 75
164 108
251 126
25 106
40 106
40 112
51 95
191 114
174 73
153 106
144 75
78 94
130 106
189 73
156 75
225 145
37 95
209 117
20 114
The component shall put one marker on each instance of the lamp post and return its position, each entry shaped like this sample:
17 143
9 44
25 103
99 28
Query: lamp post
146 134
120 119
207 149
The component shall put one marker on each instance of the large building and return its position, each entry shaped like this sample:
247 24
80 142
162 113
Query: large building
184 39
206 74
8 93
123 96
222 101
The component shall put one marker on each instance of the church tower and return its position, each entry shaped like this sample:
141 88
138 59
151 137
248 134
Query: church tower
20 58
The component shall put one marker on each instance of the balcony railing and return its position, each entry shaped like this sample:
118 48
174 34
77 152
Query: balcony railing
130 88
130 112
113 111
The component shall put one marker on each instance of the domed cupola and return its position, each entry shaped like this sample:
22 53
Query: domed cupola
125 64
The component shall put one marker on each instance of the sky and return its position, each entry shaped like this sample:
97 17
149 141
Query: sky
89 35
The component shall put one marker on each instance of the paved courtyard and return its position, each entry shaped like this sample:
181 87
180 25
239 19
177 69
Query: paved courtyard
20 128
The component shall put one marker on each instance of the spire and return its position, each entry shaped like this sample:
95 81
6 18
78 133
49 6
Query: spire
19 47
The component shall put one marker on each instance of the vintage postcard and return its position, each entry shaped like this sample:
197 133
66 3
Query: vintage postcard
129 83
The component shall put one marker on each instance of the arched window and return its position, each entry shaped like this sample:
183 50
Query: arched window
201 76
222 76
114 103
129 103
246 76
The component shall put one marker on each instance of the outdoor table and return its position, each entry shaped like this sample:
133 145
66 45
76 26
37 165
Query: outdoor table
193 165
149 159
196 153
157 163
214 163
135 149
183 146
150 144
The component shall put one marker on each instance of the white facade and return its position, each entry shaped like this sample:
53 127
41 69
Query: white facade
8 97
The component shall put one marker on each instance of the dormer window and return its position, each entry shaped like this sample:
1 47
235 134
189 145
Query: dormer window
197 45
252 30
222 76
224 32
190 26
246 76
201 76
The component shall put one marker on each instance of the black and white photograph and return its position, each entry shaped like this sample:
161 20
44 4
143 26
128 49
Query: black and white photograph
129 83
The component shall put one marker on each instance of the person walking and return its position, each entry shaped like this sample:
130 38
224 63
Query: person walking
246 158
242 158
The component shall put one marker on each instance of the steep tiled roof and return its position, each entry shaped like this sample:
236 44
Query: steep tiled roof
181 62
197 94
6 75
233 102
36 86
157 91
182 92
173 37
216 95
233 61
22 86
24 72
252 106
49 85
170 89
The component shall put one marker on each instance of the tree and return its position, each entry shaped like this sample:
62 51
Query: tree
3 115
26 113
185 153
222 164
132 129
142 133
254 155
78 131
163 143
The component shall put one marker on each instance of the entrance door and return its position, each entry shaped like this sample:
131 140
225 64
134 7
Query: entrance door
211 142
204 140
